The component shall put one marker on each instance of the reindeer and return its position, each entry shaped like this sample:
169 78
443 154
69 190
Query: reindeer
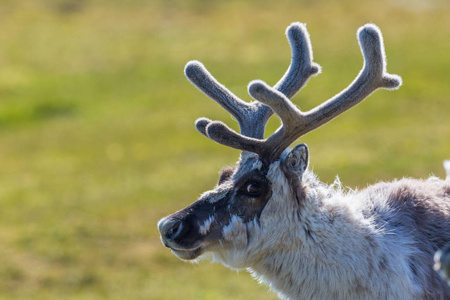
272 216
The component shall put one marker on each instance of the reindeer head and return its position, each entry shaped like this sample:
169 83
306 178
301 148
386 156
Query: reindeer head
266 186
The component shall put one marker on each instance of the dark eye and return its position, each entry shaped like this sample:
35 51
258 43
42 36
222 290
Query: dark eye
253 189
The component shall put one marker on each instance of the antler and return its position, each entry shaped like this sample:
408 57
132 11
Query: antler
296 123
252 117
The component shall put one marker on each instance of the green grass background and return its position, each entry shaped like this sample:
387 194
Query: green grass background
97 138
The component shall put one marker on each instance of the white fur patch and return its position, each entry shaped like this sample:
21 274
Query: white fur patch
235 232
248 162
217 194
245 156
447 168
236 248
204 229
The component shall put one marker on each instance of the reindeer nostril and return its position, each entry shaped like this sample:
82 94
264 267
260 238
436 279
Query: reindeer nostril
174 230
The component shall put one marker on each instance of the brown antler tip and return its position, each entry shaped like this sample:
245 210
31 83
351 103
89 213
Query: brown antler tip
222 134
296 28
201 124
371 41
256 87
281 105
391 81
315 69
370 29
193 68
262 92
216 130
298 36
302 67
372 47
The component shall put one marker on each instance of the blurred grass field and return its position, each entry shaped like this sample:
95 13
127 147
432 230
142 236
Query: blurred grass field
98 142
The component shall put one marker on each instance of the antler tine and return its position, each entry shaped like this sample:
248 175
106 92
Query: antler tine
372 77
291 116
196 72
252 117
302 67
296 123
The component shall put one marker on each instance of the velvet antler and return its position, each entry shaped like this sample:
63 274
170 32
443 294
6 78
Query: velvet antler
252 117
296 123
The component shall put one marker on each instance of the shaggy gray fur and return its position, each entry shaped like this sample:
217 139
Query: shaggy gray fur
419 211
442 263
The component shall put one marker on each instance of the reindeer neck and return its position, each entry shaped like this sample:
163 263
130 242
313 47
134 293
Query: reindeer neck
328 250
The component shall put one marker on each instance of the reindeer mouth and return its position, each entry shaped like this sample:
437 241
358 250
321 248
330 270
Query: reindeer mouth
187 254
183 240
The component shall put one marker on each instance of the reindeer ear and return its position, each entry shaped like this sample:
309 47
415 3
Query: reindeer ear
296 161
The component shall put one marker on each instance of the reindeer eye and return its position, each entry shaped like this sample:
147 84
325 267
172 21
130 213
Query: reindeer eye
253 189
